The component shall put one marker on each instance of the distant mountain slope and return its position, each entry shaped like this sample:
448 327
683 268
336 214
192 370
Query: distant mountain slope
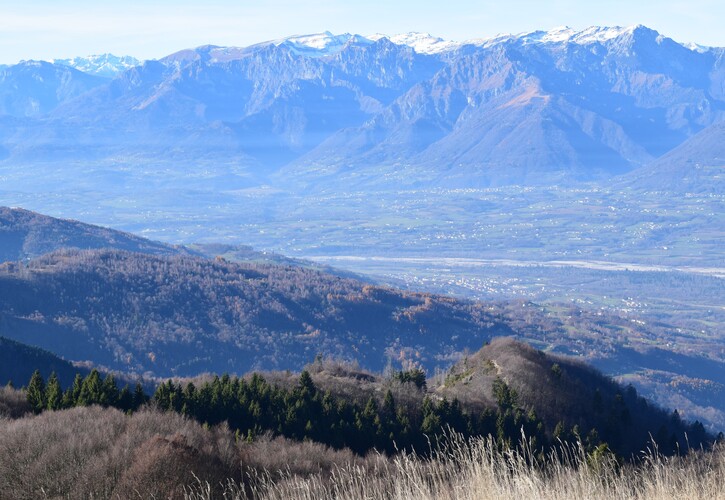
19 361
262 106
324 110
182 315
696 165
543 107
35 88
25 234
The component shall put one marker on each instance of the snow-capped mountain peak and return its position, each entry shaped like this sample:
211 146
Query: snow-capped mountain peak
425 43
563 35
422 43
593 34
696 47
320 44
106 65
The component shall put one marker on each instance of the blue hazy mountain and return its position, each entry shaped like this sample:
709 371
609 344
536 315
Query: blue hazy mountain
35 88
545 106
327 110
696 165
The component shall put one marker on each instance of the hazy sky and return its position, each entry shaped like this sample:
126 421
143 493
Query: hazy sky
44 29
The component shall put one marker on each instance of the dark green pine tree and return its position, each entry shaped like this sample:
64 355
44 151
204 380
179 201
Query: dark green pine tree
389 419
189 397
53 393
125 399
139 397
431 424
36 392
91 390
306 385
162 396
109 391
70 397
506 397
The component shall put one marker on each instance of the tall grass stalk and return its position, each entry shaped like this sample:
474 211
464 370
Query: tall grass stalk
477 470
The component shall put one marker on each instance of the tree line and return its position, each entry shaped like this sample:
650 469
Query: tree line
253 407
85 391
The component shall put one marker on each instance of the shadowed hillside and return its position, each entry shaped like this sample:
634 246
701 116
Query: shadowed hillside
19 361
696 166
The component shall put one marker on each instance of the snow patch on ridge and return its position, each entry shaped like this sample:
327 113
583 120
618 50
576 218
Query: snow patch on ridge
562 34
425 43
422 43
106 65
320 44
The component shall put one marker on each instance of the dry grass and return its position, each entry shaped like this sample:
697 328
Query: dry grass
475 470
101 453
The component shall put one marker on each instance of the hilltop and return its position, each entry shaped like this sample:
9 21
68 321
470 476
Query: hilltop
562 391
26 235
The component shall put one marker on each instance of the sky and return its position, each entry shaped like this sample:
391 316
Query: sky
149 29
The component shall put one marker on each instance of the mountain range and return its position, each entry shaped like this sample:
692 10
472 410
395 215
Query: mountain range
324 111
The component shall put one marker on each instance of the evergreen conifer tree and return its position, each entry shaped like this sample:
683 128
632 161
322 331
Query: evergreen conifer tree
70 397
139 397
125 399
53 393
91 390
109 391
36 392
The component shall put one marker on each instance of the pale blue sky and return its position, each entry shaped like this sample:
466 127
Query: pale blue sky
44 29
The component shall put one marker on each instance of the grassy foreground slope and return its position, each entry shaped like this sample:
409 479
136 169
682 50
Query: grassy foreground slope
475 471
102 453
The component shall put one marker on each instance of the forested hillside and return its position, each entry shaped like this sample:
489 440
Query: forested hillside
185 315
